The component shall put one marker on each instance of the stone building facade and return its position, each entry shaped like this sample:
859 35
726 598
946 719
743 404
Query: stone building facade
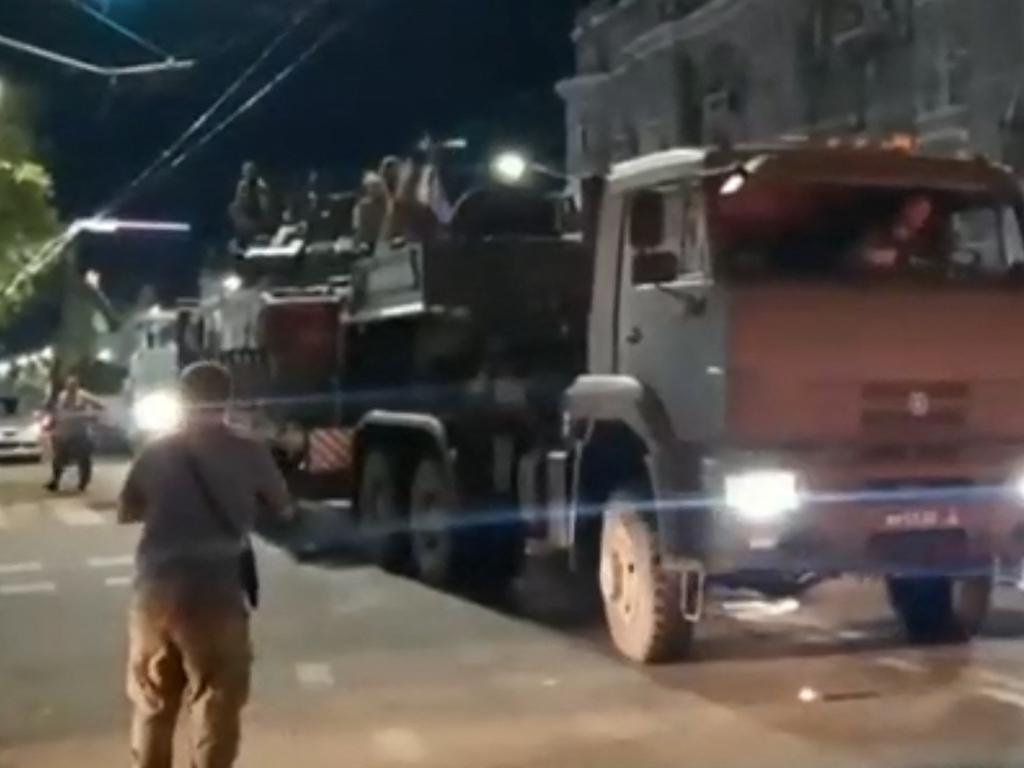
653 74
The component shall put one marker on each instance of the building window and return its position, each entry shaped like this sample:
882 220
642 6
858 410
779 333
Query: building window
724 92
947 80
848 22
717 118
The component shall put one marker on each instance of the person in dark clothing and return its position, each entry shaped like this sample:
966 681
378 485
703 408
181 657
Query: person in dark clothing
250 211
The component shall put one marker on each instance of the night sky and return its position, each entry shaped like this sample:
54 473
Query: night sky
484 69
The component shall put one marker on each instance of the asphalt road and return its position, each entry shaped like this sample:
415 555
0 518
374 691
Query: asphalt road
359 668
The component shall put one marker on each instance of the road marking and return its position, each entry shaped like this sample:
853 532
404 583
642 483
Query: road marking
901 665
76 515
853 634
400 745
760 610
997 678
1005 697
118 581
8 569
314 676
116 561
29 588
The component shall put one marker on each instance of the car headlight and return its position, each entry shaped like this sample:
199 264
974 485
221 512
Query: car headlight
158 412
763 495
33 431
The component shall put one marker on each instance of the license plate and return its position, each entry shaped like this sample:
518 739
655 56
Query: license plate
922 518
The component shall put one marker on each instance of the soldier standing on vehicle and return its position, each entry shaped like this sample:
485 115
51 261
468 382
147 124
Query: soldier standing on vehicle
250 210
73 412
197 494
370 211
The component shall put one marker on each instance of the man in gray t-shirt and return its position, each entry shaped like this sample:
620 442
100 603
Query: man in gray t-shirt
74 411
189 626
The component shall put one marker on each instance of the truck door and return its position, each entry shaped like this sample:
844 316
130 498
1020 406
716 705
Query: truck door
671 324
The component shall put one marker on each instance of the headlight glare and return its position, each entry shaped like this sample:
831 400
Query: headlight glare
763 495
158 413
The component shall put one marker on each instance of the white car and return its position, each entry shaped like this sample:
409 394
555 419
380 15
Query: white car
21 432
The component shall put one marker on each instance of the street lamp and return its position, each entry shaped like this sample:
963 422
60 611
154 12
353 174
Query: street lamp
105 226
510 167
169 64
513 167
231 284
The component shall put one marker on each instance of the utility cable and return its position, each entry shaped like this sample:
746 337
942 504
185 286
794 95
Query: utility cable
122 30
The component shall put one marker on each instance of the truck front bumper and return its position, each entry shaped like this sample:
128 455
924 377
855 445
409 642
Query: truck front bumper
866 520
873 537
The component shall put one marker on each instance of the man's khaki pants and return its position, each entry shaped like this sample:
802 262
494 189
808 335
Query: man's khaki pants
193 648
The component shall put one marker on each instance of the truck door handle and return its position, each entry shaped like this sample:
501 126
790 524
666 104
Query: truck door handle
635 336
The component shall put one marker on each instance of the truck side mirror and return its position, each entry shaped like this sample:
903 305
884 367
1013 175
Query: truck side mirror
655 267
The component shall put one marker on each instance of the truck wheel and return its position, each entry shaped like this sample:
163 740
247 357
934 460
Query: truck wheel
940 608
641 600
434 538
383 518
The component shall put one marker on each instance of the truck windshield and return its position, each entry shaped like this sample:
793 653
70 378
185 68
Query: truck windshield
817 231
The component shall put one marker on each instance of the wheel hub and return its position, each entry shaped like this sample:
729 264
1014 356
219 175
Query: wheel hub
618 575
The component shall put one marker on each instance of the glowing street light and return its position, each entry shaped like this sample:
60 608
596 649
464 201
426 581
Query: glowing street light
231 284
514 167
104 226
510 167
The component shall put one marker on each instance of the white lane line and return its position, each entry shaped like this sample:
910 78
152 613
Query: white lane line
9 569
997 678
314 676
77 515
116 561
901 665
33 587
118 581
1005 697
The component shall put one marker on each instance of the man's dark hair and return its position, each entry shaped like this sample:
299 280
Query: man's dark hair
206 383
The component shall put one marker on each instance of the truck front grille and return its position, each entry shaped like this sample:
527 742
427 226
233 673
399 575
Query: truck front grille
913 409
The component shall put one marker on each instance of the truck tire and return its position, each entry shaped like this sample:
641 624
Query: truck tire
940 608
642 601
434 536
383 512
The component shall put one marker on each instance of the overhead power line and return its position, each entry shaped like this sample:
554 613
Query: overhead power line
200 122
53 248
325 37
121 29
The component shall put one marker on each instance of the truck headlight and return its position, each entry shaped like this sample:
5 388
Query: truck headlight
762 495
158 413
1018 486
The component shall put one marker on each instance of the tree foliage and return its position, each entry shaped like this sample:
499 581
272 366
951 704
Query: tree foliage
27 215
